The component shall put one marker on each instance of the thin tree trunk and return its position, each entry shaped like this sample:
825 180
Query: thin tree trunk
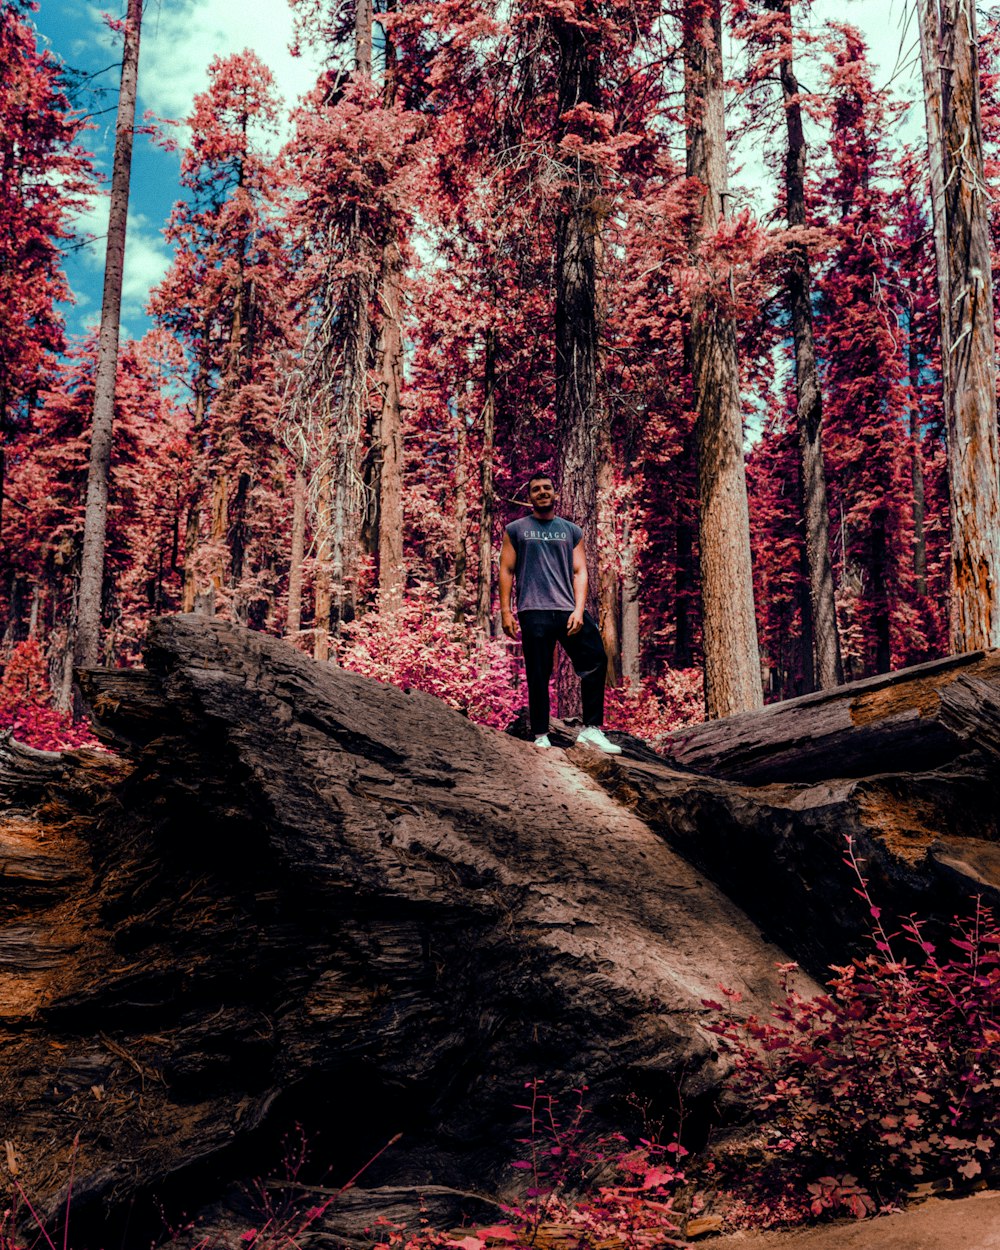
824 659
64 691
4 421
484 589
965 283
391 573
363 37
323 581
929 24
461 510
916 453
238 535
390 545
96 517
684 565
191 600
608 583
219 524
729 627
294 622
880 598
33 616
631 653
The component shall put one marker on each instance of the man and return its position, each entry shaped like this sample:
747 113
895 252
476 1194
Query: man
544 554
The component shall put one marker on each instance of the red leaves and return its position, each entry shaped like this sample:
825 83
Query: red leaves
886 1076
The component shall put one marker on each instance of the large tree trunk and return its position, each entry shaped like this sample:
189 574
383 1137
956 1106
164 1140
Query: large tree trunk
303 895
729 627
948 40
88 623
827 668
391 570
577 414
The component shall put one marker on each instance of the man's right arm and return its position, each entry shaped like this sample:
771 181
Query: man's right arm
508 563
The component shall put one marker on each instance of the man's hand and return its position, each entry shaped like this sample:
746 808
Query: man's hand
575 622
508 625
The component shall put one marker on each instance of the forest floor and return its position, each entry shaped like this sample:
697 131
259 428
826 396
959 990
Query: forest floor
939 1224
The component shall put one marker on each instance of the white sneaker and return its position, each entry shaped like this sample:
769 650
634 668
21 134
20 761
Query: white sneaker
542 741
593 736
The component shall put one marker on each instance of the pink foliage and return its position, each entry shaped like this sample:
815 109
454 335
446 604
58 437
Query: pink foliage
655 706
422 648
891 1076
26 710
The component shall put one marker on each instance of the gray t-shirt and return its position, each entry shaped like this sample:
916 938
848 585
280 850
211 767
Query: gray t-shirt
544 572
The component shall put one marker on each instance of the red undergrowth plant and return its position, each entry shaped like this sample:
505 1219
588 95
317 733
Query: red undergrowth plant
26 708
888 1079
591 1188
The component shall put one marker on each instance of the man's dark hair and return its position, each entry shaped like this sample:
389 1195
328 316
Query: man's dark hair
540 473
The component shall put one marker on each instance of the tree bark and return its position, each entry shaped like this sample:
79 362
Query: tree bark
391 570
298 894
484 591
363 37
948 39
294 620
631 650
88 623
191 598
323 580
916 452
461 511
827 668
606 557
729 627
887 723
576 329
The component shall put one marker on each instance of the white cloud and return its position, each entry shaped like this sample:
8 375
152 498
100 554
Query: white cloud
147 259
147 256
180 40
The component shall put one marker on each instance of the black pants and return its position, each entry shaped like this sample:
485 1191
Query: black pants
540 631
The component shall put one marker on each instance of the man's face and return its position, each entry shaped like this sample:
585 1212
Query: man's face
541 494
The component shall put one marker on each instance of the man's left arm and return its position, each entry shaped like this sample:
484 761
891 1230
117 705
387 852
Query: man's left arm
575 622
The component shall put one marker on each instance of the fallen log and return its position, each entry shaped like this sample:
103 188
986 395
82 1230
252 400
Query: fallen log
906 721
315 892
298 894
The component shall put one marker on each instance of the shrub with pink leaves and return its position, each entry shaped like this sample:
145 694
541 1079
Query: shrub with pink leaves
26 709
890 1078
581 1189
421 647
655 706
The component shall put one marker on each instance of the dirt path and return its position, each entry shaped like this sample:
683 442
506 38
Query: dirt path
939 1224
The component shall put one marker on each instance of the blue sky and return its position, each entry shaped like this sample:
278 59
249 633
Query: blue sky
180 39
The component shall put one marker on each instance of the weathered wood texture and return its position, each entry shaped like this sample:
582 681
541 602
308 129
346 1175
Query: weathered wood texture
892 722
729 626
304 895
319 896
960 199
